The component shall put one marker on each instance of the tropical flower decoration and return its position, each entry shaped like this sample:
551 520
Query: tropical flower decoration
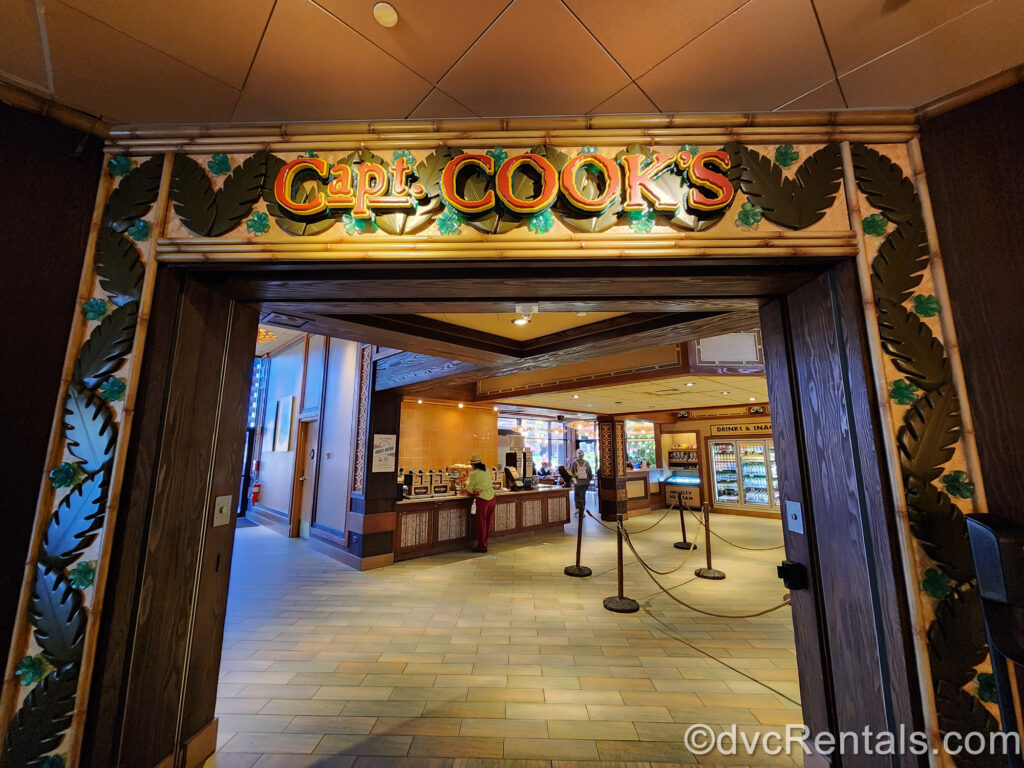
410 160
875 224
309 153
589 149
642 221
541 221
53 761
139 230
785 155
30 670
358 226
936 584
693 149
449 222
903 392
113 389
94 309
219 165
258 224
987 688
82 575
926 306
958 485
499 155
749 215
119 165
65 475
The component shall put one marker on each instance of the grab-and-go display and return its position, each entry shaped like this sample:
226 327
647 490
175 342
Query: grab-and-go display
744 472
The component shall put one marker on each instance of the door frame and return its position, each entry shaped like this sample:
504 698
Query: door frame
298 481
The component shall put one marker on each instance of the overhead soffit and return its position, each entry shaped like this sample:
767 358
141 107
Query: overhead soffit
197 61
660 394
541 324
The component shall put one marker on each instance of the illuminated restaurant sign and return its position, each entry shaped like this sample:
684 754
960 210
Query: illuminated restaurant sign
741 430
524 185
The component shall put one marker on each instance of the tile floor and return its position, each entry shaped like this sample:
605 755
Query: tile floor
478 661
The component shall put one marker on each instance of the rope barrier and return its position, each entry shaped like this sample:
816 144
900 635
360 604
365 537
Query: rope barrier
650 572
642 530
663 573
734 544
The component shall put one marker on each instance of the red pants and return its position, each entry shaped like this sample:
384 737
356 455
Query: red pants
484 520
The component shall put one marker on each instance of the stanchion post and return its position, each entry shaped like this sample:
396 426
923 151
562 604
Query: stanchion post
579 571
620 603
684 544
709 572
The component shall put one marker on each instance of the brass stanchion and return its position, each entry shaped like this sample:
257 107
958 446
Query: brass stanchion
709 572
619 603
684 544
579 571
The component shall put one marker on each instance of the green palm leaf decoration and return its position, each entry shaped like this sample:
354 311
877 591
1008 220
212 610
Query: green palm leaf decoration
104 351
884 184
75 523
956 639
40 723
56 613
195 200
903 255
89 428
119 267
940 528
212 213
930 430
241 191
134 195
913 348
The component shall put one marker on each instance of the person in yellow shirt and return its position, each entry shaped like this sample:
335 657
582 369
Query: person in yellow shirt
481 488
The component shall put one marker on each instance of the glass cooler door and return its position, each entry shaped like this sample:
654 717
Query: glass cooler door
723 467
755 473
773 472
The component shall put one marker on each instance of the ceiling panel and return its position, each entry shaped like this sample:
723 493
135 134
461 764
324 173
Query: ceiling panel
220 38
736 66
676 393
639 37
541 324
938 63
826 97
312 67
439 104
535 60
21 50
860 31
430 35
630 100
105 72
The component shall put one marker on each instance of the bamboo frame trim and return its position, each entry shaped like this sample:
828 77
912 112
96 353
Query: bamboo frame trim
48 107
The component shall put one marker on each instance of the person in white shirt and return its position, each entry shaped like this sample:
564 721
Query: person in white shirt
582 474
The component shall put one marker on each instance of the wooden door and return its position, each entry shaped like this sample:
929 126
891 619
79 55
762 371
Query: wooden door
305 482
855 665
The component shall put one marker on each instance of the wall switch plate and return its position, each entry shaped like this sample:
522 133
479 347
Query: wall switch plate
794 517
221 511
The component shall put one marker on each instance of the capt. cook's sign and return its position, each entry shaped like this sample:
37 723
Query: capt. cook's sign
587 184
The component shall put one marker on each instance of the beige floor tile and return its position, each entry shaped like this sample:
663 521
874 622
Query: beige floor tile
473 709
591 729
547 748
253 723
523 695
456 746
383 709
516 711
746 700
263 743
319 724
543 681
296 761
260 691
364 745
430 694
353 692
493 727
634 713
418 726
616 683
582 697
232 706
661 751
302 707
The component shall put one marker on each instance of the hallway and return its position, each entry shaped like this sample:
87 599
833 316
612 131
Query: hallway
473 659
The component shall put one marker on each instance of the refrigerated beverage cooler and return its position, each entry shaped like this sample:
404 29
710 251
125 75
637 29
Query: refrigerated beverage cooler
744 474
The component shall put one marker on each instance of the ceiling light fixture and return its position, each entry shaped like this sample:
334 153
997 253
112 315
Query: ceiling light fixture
752 399
263 336
385 14
420 402
575 397
461 405
526 312
495 407
723 393
581 314
689 383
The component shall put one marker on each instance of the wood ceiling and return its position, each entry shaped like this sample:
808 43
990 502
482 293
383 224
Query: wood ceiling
205 61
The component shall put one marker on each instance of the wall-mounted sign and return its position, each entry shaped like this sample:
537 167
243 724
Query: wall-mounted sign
585 185
742 430
385 452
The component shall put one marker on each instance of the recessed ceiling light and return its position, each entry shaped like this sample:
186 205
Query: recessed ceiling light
420 402
575 397
525 314
385 14
581 314
724 393
751 399
461 405
689 383
495 407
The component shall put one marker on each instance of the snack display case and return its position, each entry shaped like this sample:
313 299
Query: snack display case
744 473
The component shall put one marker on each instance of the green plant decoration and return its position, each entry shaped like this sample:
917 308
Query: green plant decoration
936 584
957 484
65 475
94 309
926 306
749 215
588 149
901 259
30 670
499 156
785 155
113 389
874 225
903 392
541 222
642 221
39 725
135 195
104 351
219 165
82 575
119 267
358 226
258 224
139 230
309 153
693 149
75 523
449 222
213 213
53 761
119 165
410 159
987 688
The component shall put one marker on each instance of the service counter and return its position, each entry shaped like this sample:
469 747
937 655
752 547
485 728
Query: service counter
426 526
645 490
